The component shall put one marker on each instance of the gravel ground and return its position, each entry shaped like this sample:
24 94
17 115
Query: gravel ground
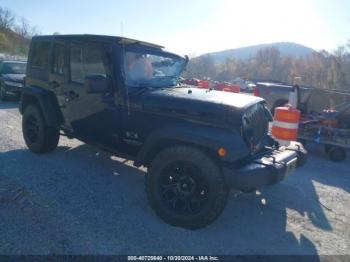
80 200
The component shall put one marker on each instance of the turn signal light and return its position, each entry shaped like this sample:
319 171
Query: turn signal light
222 151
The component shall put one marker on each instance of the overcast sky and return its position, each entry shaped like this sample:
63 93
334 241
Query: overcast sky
195 26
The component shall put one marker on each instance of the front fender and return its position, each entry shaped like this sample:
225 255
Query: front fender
209 138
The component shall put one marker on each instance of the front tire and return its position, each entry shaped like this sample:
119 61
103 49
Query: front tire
185 187
38 137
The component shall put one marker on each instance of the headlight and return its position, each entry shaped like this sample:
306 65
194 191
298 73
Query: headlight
8 83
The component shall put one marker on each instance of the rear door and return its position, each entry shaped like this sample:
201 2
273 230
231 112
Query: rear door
58 73
38 67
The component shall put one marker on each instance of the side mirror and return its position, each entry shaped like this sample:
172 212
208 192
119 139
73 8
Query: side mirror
96 84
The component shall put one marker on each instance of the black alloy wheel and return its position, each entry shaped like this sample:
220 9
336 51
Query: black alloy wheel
182 189
186 187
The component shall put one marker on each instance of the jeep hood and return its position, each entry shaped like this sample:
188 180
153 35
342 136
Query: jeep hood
13 77
217 106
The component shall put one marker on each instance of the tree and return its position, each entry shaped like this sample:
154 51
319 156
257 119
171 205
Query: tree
24 29
200 67
7 19
4 42
320 69
228 70
268 62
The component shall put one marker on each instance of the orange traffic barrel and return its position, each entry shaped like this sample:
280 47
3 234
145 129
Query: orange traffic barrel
285 124
203 84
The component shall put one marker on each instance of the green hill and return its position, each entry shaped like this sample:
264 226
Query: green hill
285 48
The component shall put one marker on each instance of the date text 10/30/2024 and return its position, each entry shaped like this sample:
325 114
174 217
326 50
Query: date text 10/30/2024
173 258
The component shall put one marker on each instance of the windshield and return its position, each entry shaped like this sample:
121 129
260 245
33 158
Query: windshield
145 68
13 68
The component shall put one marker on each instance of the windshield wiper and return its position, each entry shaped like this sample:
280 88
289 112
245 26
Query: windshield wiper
139 89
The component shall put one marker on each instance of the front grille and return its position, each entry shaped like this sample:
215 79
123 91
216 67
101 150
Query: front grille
255 123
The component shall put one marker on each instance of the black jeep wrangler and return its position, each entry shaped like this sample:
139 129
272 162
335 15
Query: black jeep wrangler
124 96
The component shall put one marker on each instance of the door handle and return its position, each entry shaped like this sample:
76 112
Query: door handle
54 84
71 95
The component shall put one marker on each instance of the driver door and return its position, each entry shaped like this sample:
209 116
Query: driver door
89 114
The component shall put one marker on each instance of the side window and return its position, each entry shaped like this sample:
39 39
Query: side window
58 59
93 62
40 54
76 64
85 62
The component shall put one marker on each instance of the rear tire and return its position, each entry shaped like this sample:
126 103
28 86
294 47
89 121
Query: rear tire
336 154
38 137
327 148
185 187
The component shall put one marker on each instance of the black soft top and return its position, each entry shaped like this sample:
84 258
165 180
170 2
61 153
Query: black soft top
105 38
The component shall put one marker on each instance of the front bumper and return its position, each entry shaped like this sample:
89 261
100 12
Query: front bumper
267 169
13 89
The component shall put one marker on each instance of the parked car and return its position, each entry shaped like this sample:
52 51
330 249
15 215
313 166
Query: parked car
191 81
227 87
310 100
11 78
196 143
197 82
249 87
325 115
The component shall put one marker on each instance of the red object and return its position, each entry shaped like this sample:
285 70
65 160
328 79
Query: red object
287 114
193 82
203 84
285 124
227 87
329 122
284 133
197 82
256 91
